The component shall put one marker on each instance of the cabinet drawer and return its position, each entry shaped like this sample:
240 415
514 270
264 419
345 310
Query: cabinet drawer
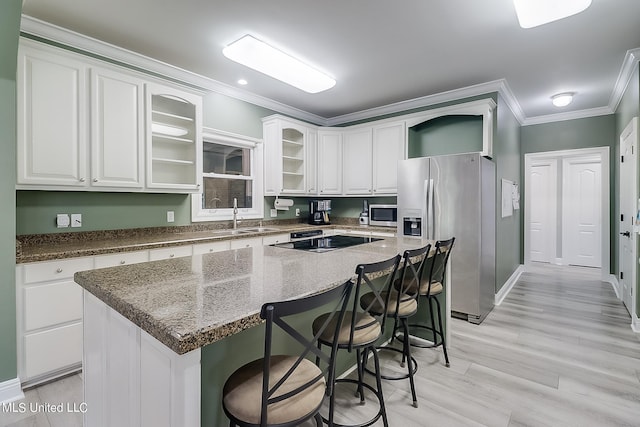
206 248
56 270
53 349
168 253
246 243
51 304
278 238
121 259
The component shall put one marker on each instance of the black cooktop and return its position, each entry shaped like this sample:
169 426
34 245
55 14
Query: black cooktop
328 243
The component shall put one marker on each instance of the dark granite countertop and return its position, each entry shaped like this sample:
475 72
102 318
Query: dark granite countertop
189 302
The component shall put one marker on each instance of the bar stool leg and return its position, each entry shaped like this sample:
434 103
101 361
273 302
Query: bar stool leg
407 353
444 344
433 321
360 367
383 410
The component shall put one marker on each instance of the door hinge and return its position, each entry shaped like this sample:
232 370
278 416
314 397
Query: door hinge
621 159
622 275
621 217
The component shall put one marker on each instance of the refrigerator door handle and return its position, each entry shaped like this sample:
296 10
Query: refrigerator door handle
431 208
429 215
426 213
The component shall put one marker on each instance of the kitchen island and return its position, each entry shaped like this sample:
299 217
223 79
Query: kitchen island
161 337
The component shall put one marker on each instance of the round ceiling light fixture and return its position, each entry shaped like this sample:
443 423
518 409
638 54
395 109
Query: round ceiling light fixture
562 99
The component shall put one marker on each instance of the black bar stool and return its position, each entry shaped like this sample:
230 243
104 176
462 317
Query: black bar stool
361 331
399 303
430 288
285 390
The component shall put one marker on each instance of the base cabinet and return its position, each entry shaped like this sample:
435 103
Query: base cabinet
131 379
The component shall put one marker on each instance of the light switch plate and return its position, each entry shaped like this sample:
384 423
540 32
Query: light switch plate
62 220
170 216
76 220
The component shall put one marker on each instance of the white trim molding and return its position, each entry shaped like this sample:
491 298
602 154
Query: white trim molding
635 324
613 280
508 285
45 30
10 391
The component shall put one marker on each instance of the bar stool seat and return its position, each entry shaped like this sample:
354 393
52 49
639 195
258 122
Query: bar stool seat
243 390
407 305
367 329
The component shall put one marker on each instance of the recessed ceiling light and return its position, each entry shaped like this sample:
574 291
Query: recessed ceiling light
268 60
532 13
242 82
562 99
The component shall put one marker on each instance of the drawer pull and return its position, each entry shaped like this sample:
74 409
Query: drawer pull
171 256
122 262
59 270
211 250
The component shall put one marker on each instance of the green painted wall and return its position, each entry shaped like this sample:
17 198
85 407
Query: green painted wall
628 108
9 29
445 135
506 154
589 132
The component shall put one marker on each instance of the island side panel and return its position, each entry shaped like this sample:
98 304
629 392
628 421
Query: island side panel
130 378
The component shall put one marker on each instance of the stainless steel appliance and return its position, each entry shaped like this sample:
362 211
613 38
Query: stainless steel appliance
455 196
383 215
319 212
364 215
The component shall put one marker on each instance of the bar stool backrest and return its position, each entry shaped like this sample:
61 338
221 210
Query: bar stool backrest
274 314
414 262
438 262
367 273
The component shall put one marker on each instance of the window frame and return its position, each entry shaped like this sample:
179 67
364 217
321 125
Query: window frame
255 146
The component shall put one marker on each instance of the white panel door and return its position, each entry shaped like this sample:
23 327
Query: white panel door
117 129
627 241
582 212
542 211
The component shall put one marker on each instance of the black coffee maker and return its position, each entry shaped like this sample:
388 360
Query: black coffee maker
319 212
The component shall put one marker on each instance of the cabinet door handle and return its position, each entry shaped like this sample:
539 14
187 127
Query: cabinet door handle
81 179
95 179
59 270
171 256
122 262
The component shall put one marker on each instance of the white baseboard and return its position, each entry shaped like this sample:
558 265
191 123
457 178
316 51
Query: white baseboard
10 391
610 278
635 324
508 285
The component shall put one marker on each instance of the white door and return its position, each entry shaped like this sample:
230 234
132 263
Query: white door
542 211
627 241
582 212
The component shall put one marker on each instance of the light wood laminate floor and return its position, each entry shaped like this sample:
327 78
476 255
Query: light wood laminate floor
558 351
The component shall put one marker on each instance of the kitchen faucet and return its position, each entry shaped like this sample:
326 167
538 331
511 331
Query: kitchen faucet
235 213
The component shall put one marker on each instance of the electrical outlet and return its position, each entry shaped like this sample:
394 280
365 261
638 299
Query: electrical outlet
274 213
170 216
297 212
62 220
76 220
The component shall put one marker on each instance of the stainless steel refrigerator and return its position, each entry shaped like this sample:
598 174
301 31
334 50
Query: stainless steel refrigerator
455 196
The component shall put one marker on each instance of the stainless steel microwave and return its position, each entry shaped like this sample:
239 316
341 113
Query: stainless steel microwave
383 215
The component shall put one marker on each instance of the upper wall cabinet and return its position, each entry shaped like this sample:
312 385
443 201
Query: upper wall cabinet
357 166
52 119
290 157
388 147
82 125
330 162
174 140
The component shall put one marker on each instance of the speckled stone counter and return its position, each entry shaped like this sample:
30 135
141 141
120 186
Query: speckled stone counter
187 303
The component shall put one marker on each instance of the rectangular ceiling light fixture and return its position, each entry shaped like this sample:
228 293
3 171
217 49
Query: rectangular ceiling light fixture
532 13
268 60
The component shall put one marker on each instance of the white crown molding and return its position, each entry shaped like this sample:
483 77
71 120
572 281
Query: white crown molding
70 38
569 115
628 67
79 41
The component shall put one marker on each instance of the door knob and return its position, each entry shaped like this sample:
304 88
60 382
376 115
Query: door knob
626 234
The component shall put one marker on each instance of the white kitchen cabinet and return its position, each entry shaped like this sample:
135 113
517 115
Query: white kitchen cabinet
357 166
276 238
117 129
246 243
49 318
169 253
311 174
330 162
174 139
52 119
211 247
388 147
123 258
287 157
